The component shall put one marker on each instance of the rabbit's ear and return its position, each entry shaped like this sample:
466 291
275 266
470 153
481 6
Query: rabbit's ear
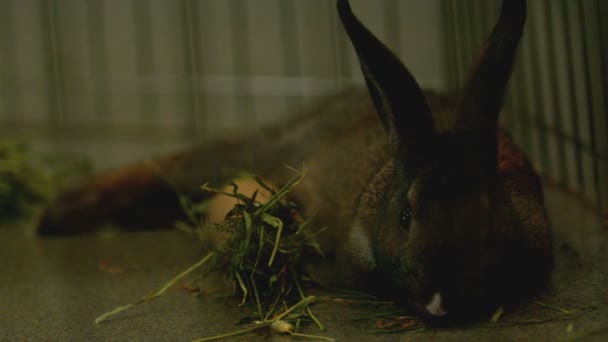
483 94
398 98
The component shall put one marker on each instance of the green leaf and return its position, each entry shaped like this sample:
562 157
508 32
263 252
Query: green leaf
496 315
278 224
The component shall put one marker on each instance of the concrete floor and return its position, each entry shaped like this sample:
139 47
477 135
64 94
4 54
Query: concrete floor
54 288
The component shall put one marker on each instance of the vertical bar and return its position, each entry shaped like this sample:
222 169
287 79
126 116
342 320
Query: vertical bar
145 59
465 43
602 35
590 107
471 21
601 10
553 84
449 38
97 43
291 47
536 94
483 14
473 13
341 48
10 93
573 100
391 25
240 49
459 44
475 27
342 52
487 18
193 70
520 100
56 84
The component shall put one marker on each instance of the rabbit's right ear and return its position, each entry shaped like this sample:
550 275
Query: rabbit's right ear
483 93
398 98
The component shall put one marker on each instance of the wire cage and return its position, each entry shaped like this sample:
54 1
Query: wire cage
121 79
118 80
556 106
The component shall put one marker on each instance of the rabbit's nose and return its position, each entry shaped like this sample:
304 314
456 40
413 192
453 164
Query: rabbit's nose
435 306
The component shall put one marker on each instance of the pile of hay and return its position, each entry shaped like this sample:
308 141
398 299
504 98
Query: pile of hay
262 255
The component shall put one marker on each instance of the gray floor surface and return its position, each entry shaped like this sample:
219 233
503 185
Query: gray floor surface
52 289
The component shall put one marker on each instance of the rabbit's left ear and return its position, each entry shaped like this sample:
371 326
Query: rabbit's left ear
398 98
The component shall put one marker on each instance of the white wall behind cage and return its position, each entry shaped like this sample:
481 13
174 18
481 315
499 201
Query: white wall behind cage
121 79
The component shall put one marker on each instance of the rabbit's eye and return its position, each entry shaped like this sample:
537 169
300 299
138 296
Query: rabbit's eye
406 217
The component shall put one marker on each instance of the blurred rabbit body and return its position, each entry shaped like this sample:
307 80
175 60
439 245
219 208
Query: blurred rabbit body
445 215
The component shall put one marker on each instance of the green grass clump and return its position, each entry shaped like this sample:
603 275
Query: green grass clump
265 247
28 179
262 255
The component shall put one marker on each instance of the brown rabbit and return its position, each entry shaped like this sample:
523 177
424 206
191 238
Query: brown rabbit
445 216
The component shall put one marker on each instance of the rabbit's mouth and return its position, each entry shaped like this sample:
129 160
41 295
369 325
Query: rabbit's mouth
443 309
434 306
